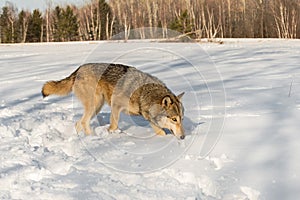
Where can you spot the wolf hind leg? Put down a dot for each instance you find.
(91, 109)
(78, 126)
(92, 101)
(84, 122)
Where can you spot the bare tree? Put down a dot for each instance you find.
(286, 17)
(25, 23)
(100, 19)
(12, 18)
(229, 18)
(124, 15)
(49, 21)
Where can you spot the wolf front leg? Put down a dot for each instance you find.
(114, 117)
(157, 129)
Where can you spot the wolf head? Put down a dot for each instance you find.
(170, 115)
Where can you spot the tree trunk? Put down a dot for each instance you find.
(42, 32)
(25, 29)
(229, 18)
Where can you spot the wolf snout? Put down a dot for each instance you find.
(180, 134)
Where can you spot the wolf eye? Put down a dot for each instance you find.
(174, 119)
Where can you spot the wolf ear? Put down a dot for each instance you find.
(180, 96)
(166, 102)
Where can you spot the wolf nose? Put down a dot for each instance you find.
(182, 137)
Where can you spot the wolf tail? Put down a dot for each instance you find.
(61, 88)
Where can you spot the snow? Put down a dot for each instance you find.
(251, 193)
(242, 112)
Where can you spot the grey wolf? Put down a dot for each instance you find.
(125, 89)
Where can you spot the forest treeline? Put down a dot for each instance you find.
(101, 20)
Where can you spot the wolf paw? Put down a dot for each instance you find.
(78, 127)
(160, 132)
(113, 129)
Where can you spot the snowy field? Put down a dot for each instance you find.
(242, 114)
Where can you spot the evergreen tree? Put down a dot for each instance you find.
(20, 22)
(35, 27)
(22, 25)
(69, 25)
(182, 24)
(65, 24)
(105, 14)
(7, 19)
(57, 18)
(5, 33)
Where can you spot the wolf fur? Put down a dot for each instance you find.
(124, 89)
